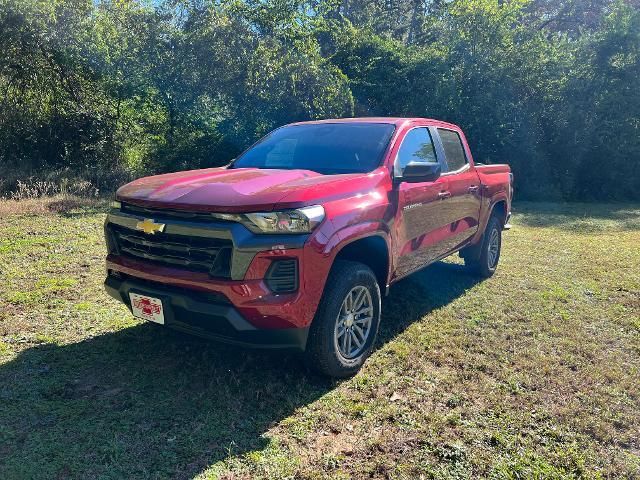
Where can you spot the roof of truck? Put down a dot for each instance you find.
(397, 121)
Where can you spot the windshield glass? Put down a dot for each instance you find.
(327, 148)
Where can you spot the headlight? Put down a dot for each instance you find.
(301, 220)
(115, 205)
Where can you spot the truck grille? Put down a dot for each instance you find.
(197, 254)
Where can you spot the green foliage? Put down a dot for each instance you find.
(117, 88)
(606, 112)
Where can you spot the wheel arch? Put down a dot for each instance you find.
(499, 208)
(371, 250)
(497, 204)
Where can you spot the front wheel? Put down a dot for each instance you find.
(483, 259)
(345, 327)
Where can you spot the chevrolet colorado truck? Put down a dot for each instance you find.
(294, 242)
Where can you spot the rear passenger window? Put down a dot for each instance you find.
(453, 149)
(416, 146)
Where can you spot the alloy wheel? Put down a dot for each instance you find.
(494, 248)
(354, 322)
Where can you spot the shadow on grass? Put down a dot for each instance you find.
(579, 217)
(414, 297)
(148, 402)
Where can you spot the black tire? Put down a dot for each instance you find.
(482, 259)
(324, 352)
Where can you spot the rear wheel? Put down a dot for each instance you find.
(483, 258)
(345, 327)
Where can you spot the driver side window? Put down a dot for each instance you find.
(416, 146)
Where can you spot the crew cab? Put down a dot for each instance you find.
(294, 243)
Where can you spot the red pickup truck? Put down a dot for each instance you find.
(294, 243)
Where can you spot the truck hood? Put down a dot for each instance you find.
(243, 189)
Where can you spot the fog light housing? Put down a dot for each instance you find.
(282, 276)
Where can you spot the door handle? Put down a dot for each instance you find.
(443, 195)
(474, 188)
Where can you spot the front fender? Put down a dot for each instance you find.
(352, 233)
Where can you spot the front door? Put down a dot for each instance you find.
(422, 221)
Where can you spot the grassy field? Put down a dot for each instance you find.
(531, 374)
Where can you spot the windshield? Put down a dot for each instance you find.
(327, 148)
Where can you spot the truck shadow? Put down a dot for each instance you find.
(148, 402)
(412, 298)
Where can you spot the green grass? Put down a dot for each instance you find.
(533, 373)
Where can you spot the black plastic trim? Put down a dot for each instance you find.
(280, 281)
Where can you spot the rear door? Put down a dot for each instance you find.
(463, 206)
(421, 225)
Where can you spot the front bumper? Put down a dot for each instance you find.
(208, 315)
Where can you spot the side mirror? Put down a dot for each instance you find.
(416, 172)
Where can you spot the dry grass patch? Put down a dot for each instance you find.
(59, 204)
